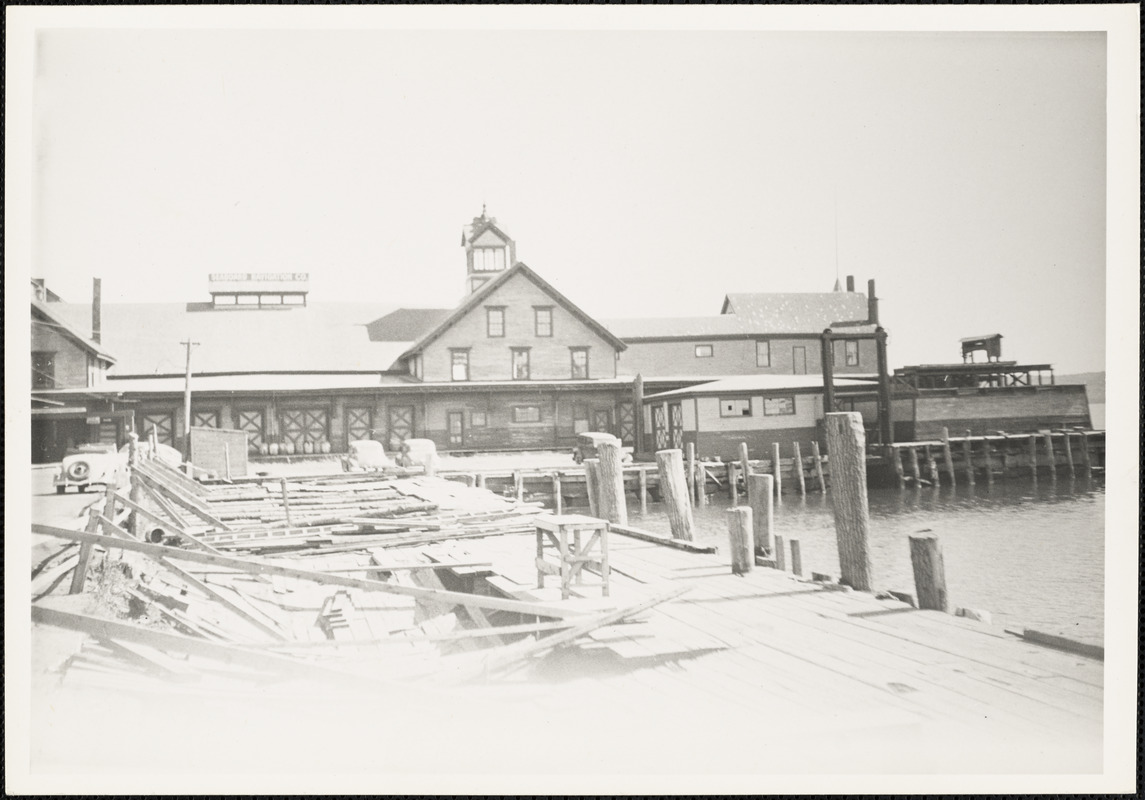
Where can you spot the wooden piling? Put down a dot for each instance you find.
(701, 485)
(818, 466)
(690, 474)
(480, 480)
(912, 462)
(1033, 445)
(643, 490)
(227, 460)
(988, 457)
(558, 495)
(931, 466)
(592, 484)
(760, 500)
(611, 487)
(798, 467)
(136, 493)
(895, 454)
(733, 484)
(780, 554)
(518, 485)
(744, 463)
(929, 573)
(674, 493)
(796, 558)
(285, 503)
(1068, 453)
(1050, 453)
(846, 442)
(79, 576)
(740, 536)
(777, 469)
(948, 457)
(1085, 459)
(968, 456)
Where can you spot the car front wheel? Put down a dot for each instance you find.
(61, 489)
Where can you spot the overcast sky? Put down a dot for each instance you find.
(642, 173)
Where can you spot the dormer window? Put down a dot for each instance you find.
(488, 259)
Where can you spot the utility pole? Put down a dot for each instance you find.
(187, 405)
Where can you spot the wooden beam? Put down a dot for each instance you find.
(164, 525)
(267, 568)
(179, 499)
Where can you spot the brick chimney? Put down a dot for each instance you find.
(872, 303)
(95, 310)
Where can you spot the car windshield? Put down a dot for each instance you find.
(90, 448)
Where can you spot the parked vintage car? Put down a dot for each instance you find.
(418, 453)
(87, 464)
(366, 455)
(589, 441)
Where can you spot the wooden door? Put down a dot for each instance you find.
(455, 421)
(660, 427)
(251, 422)
(799, 360)
(164, 425)
(602, 420)
(303, 425)
(676, 426)
(627, 423)
(359, 424)
(401, 425)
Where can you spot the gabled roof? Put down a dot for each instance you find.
(406, 324)
(478, 297)
(319, 337)
(479, 225)
(67, 327)
(795, 312)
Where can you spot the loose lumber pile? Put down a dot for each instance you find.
(350, 578)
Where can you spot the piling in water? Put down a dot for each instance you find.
(611, 485)
(846, 444)
(740, 535)
(760, 500)
(929, 573)
(674, 493)
(798, 467)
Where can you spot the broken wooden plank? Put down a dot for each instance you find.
(667, 541)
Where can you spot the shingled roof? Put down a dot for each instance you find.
(54, 316)
(406, 324)
(319, 337)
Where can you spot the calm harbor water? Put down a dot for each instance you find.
(1031, 553)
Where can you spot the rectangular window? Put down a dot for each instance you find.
(489, 259)
(477, 419)
(294, 299)
(703, 351)
(852, 353)
(494, 322)
(270, 300)
(763, 354)
(247, 299)
(526, 413)
(520, 363)
(544, 320)
(579, 362)
(224, 299)
(580, 418)
(777, 406)
(736, 407)
(43, 370)
(459, 365)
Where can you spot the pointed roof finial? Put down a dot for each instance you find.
(482, 211)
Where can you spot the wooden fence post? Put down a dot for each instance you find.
(674, 493)
(929, 572)
(612, 503)
(592, 485)
(947, 457)
(796, 558)
(846, 444)
(760, 499)
(740, 534)
(818, 466)
(798, 466)
(777, 469)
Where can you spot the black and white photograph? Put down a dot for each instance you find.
(571, 400)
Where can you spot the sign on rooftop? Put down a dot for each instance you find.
(258, 282)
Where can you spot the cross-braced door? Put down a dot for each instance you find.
(205, 419)
(676, 426)
(164, 425)
(660, 427)
(359, 424)
(251, 422)
(627, 423)
(401, 425)
(302, 425)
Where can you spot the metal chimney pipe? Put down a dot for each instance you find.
(872, 303)
(96, 327)
(850, 283)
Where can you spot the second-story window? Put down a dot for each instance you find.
(494, 322)
(459, 365)
(579, 362)
(520, 363)
(43, 370)
(544, 320)
(703, 351)
(763, 354)
(852, 353)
